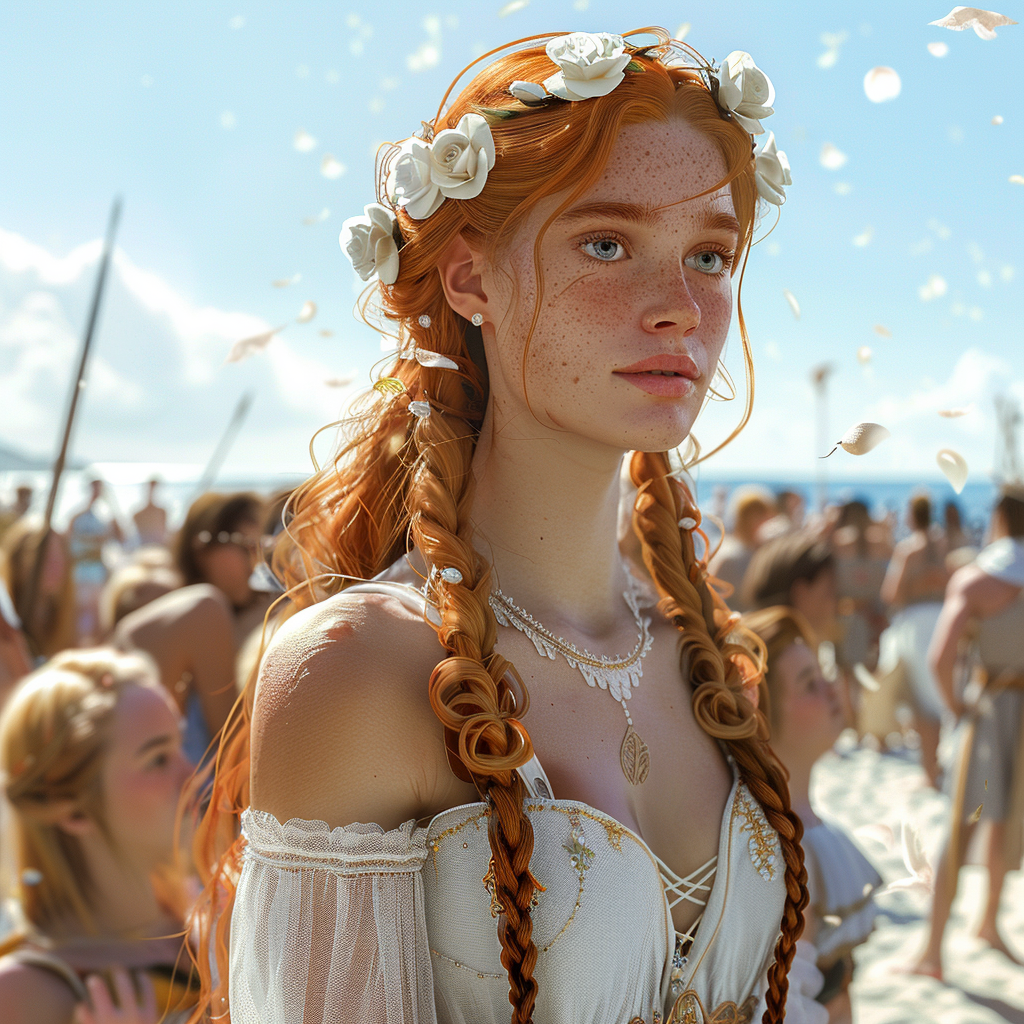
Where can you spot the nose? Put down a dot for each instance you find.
(673, 309)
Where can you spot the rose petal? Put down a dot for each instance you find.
(247, 346)
(954, 468)
(283, 282)
(331, 168)
(864, 237)
(436, 360)
(793, 304)
(938, 49)
(340, 382)
(956, 413)
(303, 141)
(881, 84)
(984, 23)
(882, 331)
(862, 437)
(307, 313)
(512, 7)
(832, 158)
(864, 355)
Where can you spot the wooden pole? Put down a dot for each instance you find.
(224, 446)
(32, 591)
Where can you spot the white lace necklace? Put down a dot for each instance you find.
(618, 675)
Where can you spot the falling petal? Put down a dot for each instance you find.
(864, 355)
(984, 23)
(317, 218)
(793, 304)
(834, 920)
(420, 409)
(331, 168)
(881, 84)
(1017, 179)
(426, 57)
(938, 49)
(831, 157)
(935, 288)
(953, 414)
(325, 333)
(283, 282)
(247, 346)
(918, 885)
(512, 7)
(975, 815)
(913, 850)
(828, 59)
(434, 359)
(303, 141)
(865, 678)
(388, 386)
(683, 31)
(862, 437)
(954, 468)
(882, 331)
(998, 119)
(865, 236)
(340, 382)
(307, 313)
(842, 188)
(228, 120)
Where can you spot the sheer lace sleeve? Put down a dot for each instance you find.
(328, 925)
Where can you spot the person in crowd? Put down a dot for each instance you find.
(134, 585)
(568, 309)
(151, 520)
(220, 543)
(806, 717)
(788, 516)
(89, 532)
(15, 657)
(984, 606)
(92, 770)
(22, 503)
(750, 507)
(51, 626)
(914, 588)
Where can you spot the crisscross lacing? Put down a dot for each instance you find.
(679, 889)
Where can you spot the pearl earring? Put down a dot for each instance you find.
(477, 319)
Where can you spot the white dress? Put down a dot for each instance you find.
(358, 924)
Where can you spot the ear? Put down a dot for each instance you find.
(73, 821)
(459, 268)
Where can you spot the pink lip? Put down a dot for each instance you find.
(666, 387)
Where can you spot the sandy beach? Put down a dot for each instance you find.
(872, 795)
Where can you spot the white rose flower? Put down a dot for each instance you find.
(771, 172)
(591, 64)
(369, 242)
(454, 165)
(745, 90)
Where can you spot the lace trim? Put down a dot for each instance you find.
(357, 849)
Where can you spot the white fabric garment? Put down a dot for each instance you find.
(906, 640)
(358, 924)
(1004, 559)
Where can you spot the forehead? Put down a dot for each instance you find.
(142, 712)
(658, 163)
(796, 658)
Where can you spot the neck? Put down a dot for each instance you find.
(545, 514)
(799, 769)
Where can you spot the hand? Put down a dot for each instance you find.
(129, 1009)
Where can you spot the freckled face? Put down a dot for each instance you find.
(627, 287)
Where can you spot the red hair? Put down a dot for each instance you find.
(404, 481)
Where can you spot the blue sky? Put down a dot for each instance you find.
(190, 112)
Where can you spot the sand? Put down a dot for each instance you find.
(856, 788)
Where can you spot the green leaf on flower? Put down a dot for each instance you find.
(634, 66)
(498, 113)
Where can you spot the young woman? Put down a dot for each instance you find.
(556, 254)
(806, 717)
(92, 768)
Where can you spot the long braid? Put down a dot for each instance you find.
(474, 691)
(710, 659)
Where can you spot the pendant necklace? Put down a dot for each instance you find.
(618, 675)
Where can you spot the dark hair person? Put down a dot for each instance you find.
(555, 253)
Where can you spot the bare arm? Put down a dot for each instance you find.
(33, 995)
(945, 645)
(893, 584)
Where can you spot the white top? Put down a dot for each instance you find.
(358, 924)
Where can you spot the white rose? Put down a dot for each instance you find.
(591, 64)
(369, 242)
(745, 90)
(454, 165)
(771, 172)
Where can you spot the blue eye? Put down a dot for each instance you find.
(608, 250)
(707, 262)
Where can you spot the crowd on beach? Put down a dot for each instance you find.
(123, 647)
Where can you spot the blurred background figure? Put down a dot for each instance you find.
(148, 575)
(151, 520)
(788, 516)
(89, 532)
(51, 626)
(750, 508)
(22, 503)
(15, 658)
(984, 607)
(913, 589)
(806, 718)
(92, 769)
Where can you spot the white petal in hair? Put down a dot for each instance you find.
(420, 409)
(529, 93)
(435, 360)
(771, 172)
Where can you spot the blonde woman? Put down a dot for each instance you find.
(92, 769)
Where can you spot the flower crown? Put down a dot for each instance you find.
(454, 163)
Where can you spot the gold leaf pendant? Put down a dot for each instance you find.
(634, 757)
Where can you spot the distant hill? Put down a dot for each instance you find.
(13, 461)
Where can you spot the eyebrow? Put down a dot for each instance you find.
(647, 215)
(156, 741)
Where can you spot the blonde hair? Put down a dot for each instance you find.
(404, 481)
(54, 734)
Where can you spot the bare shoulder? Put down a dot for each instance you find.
(984, 595)
(200, 606)
(33, 995)
(342, 726)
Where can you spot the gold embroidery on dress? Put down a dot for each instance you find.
(764, 841)
(688, 1009)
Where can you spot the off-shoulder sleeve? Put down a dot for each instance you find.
(328, 925)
